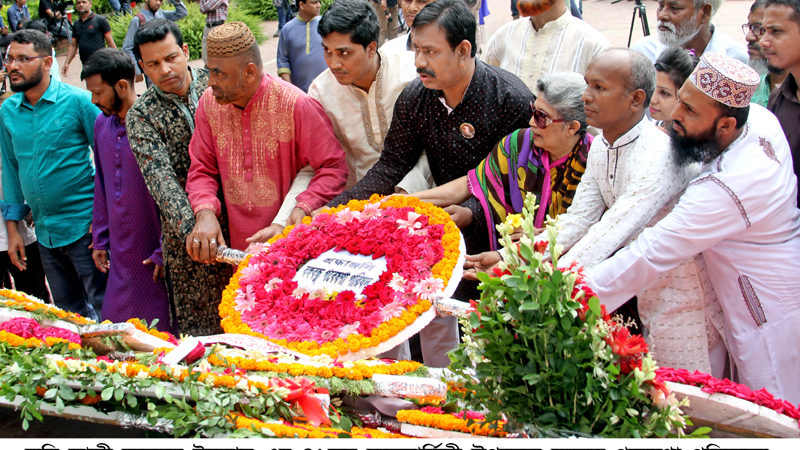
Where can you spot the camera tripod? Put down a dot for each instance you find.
(641, 10)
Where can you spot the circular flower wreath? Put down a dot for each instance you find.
(421, 246)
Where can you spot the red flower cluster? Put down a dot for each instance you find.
(273, 305)
(712, 385)
(30, 328)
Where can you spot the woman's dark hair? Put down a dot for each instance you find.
(354, 17)
(111, 64)
(678, 63)
(454, 17)
(154, 31)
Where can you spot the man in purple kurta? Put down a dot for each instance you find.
(125, 223)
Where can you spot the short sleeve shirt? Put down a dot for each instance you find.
(90, 35)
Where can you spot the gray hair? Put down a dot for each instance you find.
(715, 4)
(643, 76)
(563, 91)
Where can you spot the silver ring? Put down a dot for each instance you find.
(195, 241)
(213, 241)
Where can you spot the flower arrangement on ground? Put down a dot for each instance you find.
(418, 242)
(540, 351)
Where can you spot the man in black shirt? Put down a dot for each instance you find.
(456, 111)
(57, 24)
(89, 34)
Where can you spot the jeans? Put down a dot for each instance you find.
(284, 13)
(120, 6)
(75, 282)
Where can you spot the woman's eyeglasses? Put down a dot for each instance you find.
(541, 119)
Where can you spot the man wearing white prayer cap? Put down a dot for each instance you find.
(740, 213)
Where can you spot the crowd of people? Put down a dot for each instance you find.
(671, 166)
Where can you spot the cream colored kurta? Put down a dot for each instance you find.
(740, 213)
(361, 119)
(626, 187)
(566, 44)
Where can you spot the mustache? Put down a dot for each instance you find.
(667, 25)
(427, 72)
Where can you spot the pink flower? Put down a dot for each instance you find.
(411, 223)
(58, 333)
(371, 211)
(346, 215)
(432, 410)
(429, 288)
(470, 415)
(22, 327)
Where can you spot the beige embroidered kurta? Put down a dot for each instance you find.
(361, 118)
(566, 44)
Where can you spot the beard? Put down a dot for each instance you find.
(775, 70)
(27, 83)
(679, 35)
(116, 107)
(688, 150)
(759, 64)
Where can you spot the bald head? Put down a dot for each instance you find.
(620, 84)
(636, 70)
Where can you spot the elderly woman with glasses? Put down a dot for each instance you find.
(547, 159)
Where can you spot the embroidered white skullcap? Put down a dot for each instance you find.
(726, 80)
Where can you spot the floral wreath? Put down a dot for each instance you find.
(421, 246)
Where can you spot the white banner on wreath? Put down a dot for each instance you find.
(337, 271)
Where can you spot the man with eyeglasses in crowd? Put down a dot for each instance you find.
(771, 76)
(50, 173)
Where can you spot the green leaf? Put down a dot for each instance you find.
(107, 393)
(594, 306)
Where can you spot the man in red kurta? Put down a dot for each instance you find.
(253, 134)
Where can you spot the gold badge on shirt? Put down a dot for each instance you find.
(467, 130)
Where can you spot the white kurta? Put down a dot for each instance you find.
(651, 47)
(566, 44)
(624, 188)
(361, 119)
(740, 213)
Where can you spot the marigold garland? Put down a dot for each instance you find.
(19, 301)
(164, 336)
(301, 430)
(232, 321)
(32, 342)
(449, 422)
(360, 371)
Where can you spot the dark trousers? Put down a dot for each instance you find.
(30, 280)
(75, 282)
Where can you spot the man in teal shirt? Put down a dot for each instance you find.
(46, 130)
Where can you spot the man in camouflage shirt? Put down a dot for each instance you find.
(160, 125)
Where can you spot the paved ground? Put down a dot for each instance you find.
(613, 20)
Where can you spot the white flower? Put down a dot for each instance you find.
(397, 283)
(13, 369)
(299, 292)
